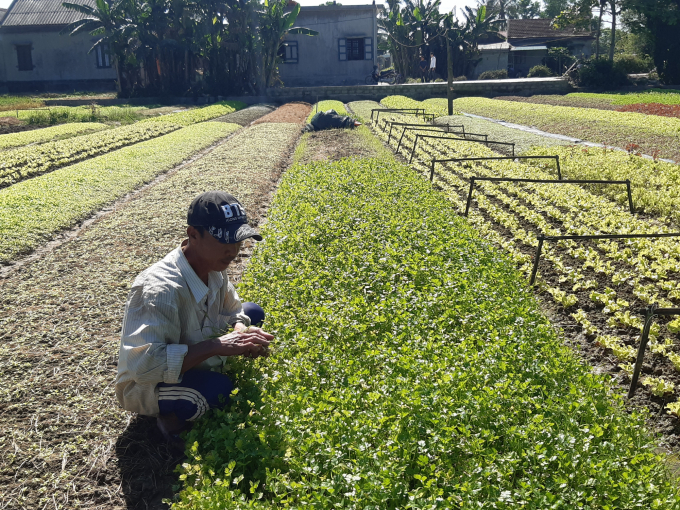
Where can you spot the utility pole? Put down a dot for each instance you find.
(449, 62)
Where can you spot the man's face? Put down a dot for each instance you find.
(215, 255)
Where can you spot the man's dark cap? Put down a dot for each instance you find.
(222, 215)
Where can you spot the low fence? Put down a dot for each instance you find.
(421, 91)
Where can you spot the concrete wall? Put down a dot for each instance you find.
(318, 56)
(421, 91)
(60, 62)
(522, 61)
(491, 61)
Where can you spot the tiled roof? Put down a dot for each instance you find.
(538, 28)
(41, 12)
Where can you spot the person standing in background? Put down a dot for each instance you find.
(433, 66)
(423, 69)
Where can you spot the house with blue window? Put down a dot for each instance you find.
(34, 57)
(343, 53)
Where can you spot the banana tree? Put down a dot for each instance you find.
(408, 28)
(275, 25)
(107, 22)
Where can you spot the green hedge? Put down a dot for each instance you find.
(411, 369)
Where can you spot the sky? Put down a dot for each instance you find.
(447, 5)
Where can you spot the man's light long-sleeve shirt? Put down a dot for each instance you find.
(433, 62)
(169, 308)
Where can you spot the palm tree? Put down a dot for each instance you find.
(106, 20)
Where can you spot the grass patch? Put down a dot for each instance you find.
(32, 211)
(411, 370)
(19, 103)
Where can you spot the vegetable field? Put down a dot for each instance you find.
(421, 376)
(650, 134)
(413, 366)
(596, 286)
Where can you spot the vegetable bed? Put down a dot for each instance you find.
(655, 184)
(32, 211)
(652, 134)
(247, 115)
(21, 163)
(50, 134)
(188, 117)
(65, 114)
(434, 106)
(411, 369)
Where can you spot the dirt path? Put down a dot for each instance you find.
(65, 441)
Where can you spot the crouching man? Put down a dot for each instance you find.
(171, 349)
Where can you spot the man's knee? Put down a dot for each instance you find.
(255, 312)
(199, 391)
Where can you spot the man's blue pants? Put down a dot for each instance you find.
(200, 390)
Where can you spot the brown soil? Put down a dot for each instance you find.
(295, 113)
(14, 125)
(665, 110)
(335, 144)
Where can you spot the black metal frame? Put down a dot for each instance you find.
(465, 135)
(447, 160)
(542, 181)
(541, 238)
(487, 142)
(650, 312)
(398, 110)
(426, 127)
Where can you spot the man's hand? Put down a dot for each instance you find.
(250, 342)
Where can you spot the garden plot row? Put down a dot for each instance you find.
(604, 101)
(653, 135)
(195, 115)
(411, 369)
(65, 114)
(125, 114)
(34, 210)
(50, 134)
(65, 441)
(602, 284)
(24, 162)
